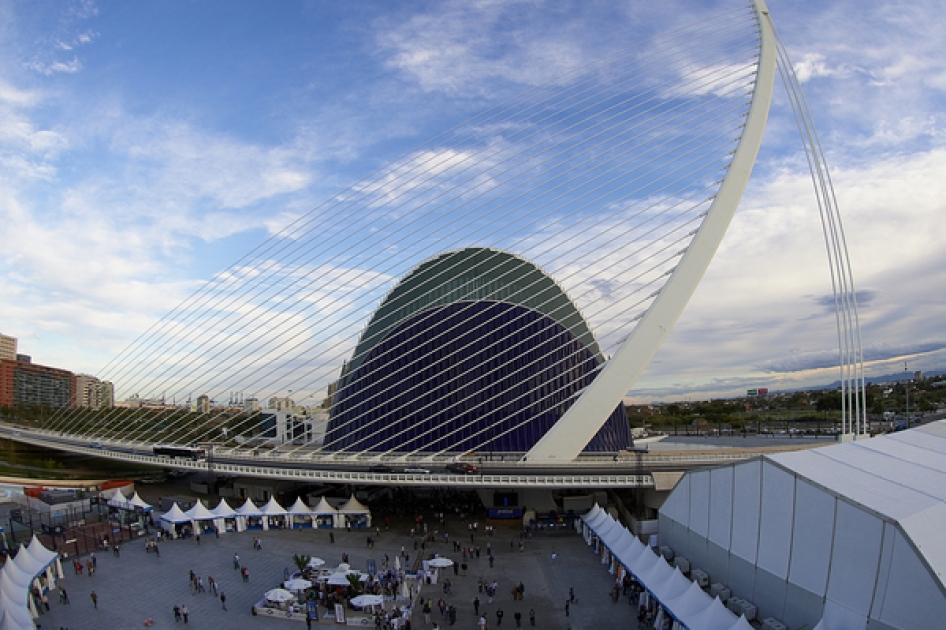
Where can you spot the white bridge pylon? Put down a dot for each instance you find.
(583, 419)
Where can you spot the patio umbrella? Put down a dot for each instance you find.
(315, 562)
(279, 595)
(339, 579)
(367, 600)
(297, 584)
(441, 563)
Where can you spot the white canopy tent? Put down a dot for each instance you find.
(201, 518)
(325, 516)
(226, 517)
(137, 502)
(275, 515)
(118, 500)
(249, 516)
(354, 513)
(300, 515)
(15, 585)
(172, 518)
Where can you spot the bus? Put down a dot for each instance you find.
(186, 452)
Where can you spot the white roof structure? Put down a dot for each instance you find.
(175, 515)
(272, 508)
(323, 507)
(118, 500)
(849, 534)
(200, 513)
(299, 508)
(685, 600)
(137, 501)
(248, 509)
(27, 563)
(223, 510)
(41, 553)
(353, 506)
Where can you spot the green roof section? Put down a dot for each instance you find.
(473, 274)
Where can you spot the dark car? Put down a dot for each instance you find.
(462, 468)
(380, 469)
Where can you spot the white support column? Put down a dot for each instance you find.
(588, 414)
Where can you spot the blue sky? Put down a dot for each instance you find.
(144, 147)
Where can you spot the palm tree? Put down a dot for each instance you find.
(301, 561)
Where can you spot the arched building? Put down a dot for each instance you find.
(474, 350)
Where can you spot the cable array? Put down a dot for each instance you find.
(463, 296)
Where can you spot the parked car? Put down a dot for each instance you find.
(462, 468)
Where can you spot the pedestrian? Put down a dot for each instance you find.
(95, 561)
(184, 612)
(476, 605)
(566, 608)
(554, 555)
(197, 538)
(95, 599)
(213, 585)
(331, 537)
(116, 550)
(236, 561)
(531, 617)
(46, 602)
(177, 613)
(452, 614)
(63, 596)
(427, 612)
(571, 594)
(522, 591)
(518, 618)
(499, 616)
(490, 561)
(157, 552)
(482, 622)
(456, 569)
(223, 600)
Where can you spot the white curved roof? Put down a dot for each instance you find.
(175, 515)
(299, 508)
(223, 509)
(248, 509)
(901, 477)
(324, 507)
(353, 506)
(200, 513)
(272, 508)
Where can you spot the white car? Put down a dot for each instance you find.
(417, 471)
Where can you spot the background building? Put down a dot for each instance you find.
(475, 350)
(94, 393)
(7, 348)
(24, 383)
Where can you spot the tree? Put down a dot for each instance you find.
(301, 561)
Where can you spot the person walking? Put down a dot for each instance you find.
(566, 607)
(95, 599)
(499, 616)
(177, 613)
(518, 618)
(331, 537)
(236, 561)
(63, 595)
(427, 612)
(223, 600)
(476, 605)
(185, 612)
(531, 617)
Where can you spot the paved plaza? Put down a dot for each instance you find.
(139, 585)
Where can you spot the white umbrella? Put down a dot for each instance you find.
(297, 584)
(315, 562)
(279, 595)
(339, 579)
(397, 563)
(367, 600)
(441, 563)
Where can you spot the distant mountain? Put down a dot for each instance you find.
(896, 377)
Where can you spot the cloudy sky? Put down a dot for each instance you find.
(145, 147)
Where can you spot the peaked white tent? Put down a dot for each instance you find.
(201, 518)
(300, 515)
(274, 515)
(17, 614)
(15, 586)
(49, 558)
(174, 517)
(355, 514)
(226, 517)
(249, 516)
(137, 502)
(118, 500)
(325, 516)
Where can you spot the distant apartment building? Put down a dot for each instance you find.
(94, 393)
(24, 383)
(203, 403)
(251, 405)
(282, 404)
(7, 348)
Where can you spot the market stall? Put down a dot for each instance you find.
(250, 516)
(300, 515)
(275, 516)
(176, 523)
(202, 519)
(226, 518)
(324, 516)
(354, 514)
